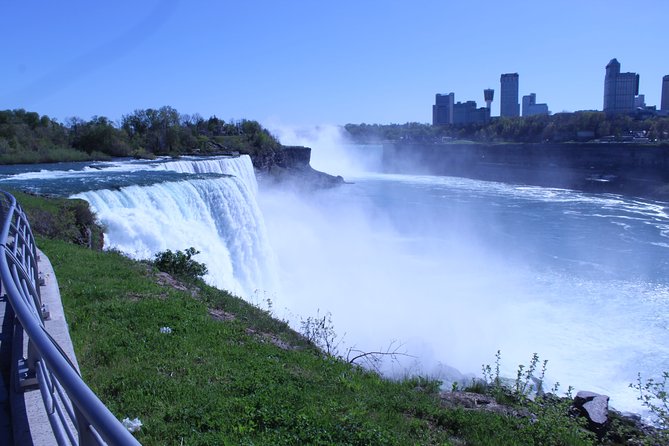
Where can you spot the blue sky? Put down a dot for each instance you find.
(319, 62)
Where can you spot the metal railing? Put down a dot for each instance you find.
(76, 415)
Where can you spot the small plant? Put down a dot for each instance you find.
(320, 331)
(654, 395)
(373, 360)
(550, 423)
(262, 301)
(491, 379)
(525, 384)
(181, 264)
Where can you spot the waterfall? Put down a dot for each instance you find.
(219, 217)
(240, 167)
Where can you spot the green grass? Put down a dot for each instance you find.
(212, 381)
(61, 218)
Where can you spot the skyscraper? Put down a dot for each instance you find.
(442, 110)
(509, 105)
(619, 89)
(665, 93)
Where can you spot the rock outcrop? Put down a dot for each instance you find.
(595, 408)
(289, 166)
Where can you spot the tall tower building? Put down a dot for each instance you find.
(620, 89)
(509, 105)
(488, 95)
(665, 93)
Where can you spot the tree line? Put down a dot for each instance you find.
(27, 137)
(560, 127)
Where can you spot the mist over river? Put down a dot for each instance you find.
(451, 269)
(455, 269)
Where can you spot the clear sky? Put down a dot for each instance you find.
(319, 62)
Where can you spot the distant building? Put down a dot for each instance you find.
(509, 105)
(620, 89)
(468, 113)
(531, 108)
(664, 106)
(442, 110)
(640, 102)
(446, 111)
(488, 95)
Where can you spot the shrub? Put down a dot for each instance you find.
(654, 395)
(181, 264)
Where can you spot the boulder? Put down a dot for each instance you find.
(594, 407)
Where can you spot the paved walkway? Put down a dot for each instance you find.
(6, 327)
(33, 428)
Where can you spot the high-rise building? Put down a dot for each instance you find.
(620, 89)
(509, 105)
(530, 106)
(442, 110)
(664, 106)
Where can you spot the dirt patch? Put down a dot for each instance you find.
(272, 339)
(167, 280)
(475, 401)
(220, 315)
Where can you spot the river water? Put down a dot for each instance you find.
(455, 269)
(446, 270)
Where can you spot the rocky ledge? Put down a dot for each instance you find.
(289, 166)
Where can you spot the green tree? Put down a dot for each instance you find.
(99, 134)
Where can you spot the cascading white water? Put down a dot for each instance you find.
(240, 166)
(219, 217)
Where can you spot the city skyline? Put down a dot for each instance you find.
(621, 96)
(304, 64)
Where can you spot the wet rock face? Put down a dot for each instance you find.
(293, 157)
(287, 157)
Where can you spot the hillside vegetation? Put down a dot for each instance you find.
(27, 137)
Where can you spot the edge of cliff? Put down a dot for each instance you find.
(290, 166)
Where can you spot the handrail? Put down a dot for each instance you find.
(76, 414)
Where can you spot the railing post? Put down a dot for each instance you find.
(86, 437)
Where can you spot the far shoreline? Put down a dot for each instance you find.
(617, 168)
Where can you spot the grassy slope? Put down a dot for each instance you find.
(224, 382)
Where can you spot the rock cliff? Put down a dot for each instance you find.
(615, 167)
(289, 165)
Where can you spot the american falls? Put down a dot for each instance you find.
(218, 216)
